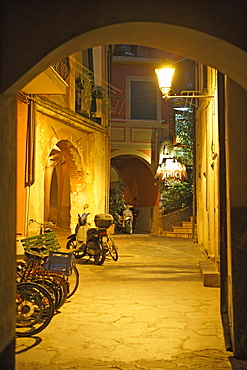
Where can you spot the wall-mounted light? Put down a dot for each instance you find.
(165, 76)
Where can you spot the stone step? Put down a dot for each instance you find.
(184, 231)
(171, 234)
(181, 230)
(209, 273)
(187, 224)
(191, 219)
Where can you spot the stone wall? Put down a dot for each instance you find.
(175, 218)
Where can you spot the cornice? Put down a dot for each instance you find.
(68, 117)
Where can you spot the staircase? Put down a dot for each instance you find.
(184, 231)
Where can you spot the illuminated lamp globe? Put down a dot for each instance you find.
(165, 76)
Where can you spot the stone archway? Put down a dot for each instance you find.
(57, 190)
(137, 176)
(199, 33)
(71, 183)
(73, 162)
(53, 204)
(63, 181)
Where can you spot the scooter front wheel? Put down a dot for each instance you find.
(71, 244)
(128, 227)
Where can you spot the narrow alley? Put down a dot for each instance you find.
(148, 310)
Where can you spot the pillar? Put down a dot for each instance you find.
(236, 142)
(8, 230)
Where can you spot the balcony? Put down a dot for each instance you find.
(47, 82)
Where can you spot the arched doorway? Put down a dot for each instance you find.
(57, 190)
(137, 177)
(63, 178)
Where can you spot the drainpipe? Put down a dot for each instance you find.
(108, 137)
(30, 154)
(194, 157)
(223, 216)
(30, 145)
(93, 108)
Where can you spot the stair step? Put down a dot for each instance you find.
(171, 234)
(187, 224)
(210, 274)
(184, 231)
(179, 229)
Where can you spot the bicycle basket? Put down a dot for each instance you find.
(60, 262)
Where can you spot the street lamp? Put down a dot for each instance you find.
(165, 76)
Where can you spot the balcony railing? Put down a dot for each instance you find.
(62, 67)
(92, 93)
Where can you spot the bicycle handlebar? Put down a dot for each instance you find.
(39, 223)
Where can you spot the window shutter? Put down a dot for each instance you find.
(143, 100)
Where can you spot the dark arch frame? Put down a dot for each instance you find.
(51, 30)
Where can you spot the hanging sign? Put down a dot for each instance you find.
(171, 170)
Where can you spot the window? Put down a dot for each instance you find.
(143, 100)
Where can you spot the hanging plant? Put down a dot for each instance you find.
(87, 93)
(101, 93)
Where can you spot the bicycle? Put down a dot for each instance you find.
(103, 222)
(39, 294)
(108, 244)
(31, 270)
(43, 227)
(47, 242)
(34, 309)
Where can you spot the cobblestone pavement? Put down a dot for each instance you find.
(147, 311)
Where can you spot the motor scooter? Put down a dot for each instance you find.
(125, 219)
(135, 213)
(85, 242)
(128, 217)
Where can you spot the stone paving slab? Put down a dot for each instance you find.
(149, 310)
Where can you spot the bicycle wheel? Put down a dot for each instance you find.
(59, 281)
(112, 250)
(51, 287)
(73, 281)
(34, 309)
(100, 253)
(63, 286)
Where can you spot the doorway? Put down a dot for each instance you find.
(138, 182)
(57, 191)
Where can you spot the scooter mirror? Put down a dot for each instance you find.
(86, 206)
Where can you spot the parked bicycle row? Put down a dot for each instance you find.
(44, 283)
(47, 277)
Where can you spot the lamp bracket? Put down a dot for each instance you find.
(189, 94)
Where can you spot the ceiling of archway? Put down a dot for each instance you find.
(201, 33)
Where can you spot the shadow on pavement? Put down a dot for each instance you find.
(19, 340)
